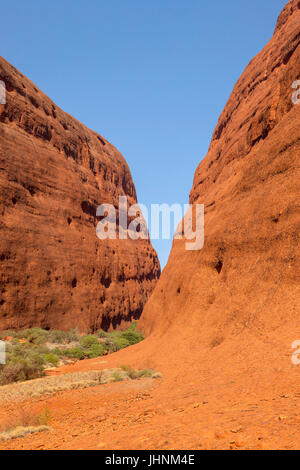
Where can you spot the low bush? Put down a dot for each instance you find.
(133, 337)
(118, 343)
(35, 335)
(45, 417)
(117, 377)
(88, 340)
(19, 371)
(51, 358)
(28, 359)
(61, 337)
(74, 353)
(101, 334)
(96, 350)
(24, 422)
(57, 336)
(58, 352)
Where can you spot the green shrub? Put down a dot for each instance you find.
(96, 350)
(57, 336)
(45, 417)
(73, 335)
(28, 360)
(58, 352)
(35, 335)
(60, 337)
(117, 377)
(144, 373)
(19, 371)
(12, 373)
(51, 358)
(88, 340)
(119, 343)
(138, 374)
(101, 334)
(133, 326)
(133, 337)
(34, 358)
(74, 353)
(131, 373)
(37, 348)
(15, 350)
(20, 352)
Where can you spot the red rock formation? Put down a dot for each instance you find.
(54, 172)
(246, 278)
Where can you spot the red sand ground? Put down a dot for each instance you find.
(214, 402)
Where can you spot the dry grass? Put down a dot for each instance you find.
(21, 431)
(49, 385)
(25, 417)
(24, 421)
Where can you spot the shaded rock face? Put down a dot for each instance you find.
(246, 278)
(54, 172)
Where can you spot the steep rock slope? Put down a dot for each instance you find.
(245, 281)
(54, 172)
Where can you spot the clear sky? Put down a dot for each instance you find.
(152, 76)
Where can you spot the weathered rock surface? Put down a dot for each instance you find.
(54, 172)
(246, 278)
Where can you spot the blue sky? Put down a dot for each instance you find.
(151, 76)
